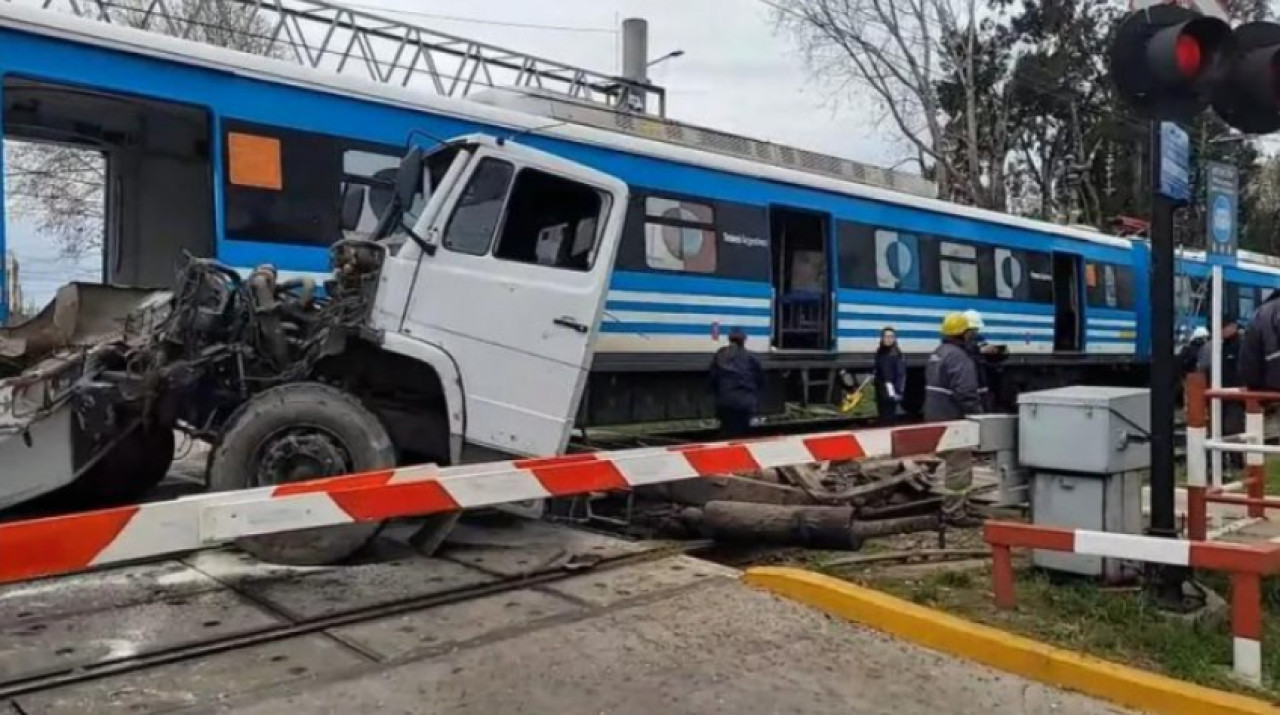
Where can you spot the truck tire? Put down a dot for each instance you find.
(295, 433)
(125, 474)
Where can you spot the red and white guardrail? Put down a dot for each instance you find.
(64, 544)
(1252, 443)
(1247, 564)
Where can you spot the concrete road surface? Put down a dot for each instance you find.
(707, 646)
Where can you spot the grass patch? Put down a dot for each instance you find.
(1118, 624)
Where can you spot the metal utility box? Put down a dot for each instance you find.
(1097, 502)
(1096, 430)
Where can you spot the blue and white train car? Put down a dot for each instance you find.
(214, 152)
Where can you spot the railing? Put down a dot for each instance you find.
(321, 35)
(1247, 564)
(1251, 444)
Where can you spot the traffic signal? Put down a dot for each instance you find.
(1248, 97)
(1166, 60)
(1169, 62)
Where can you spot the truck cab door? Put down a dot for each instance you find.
(512, 286)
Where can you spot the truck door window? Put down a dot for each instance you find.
(551, 221)
(478, 211)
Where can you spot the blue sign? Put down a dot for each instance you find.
(1175, 163)
(1222, 201)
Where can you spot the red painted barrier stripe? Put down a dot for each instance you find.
(376, 503)
(572, 478)
(722, 460)
(30, 549)
(913, 441)
(835, 448)
(1029, 536)
(333, 484)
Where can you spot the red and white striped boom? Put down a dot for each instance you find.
(63, 544)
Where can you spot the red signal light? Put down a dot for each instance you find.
(1188, 56)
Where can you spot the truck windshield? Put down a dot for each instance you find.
(437, 164)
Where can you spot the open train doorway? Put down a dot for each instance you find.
(1066, 303)
(801, 249)
(117, 182)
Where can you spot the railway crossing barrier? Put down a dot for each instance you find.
(1247, 564)
(1251, 443)
(65, 544)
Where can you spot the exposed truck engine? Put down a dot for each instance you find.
(106, 375)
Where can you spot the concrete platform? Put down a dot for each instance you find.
(671, 635)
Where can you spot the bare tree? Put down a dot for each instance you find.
(61, 187)
(936, 69)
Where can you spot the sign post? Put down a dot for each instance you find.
(1222, 209)
(1222, 203)
(1171, 174)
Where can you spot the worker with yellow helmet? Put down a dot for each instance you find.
(953, 392)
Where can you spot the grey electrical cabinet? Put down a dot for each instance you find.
(1095, 502)
(1093, 430)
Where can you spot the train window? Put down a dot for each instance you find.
(679, 235)
(958, 268)
(283, 185)
(1012, 282)
(479, 209)
(1124, 288)
(1095, 283)
(857, 260)
(551, 221)
(1039, 277)
(376, 172)
(897, 260)
(1247, 303)
(1182, 294)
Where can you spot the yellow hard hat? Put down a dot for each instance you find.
(954, 325)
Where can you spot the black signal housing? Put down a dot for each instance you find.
(1168, 61)
(1248, 96)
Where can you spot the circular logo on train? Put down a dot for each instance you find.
(899, 260)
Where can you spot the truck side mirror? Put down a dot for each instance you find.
(353, 196)
(409, 177)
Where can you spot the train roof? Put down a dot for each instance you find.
(142, 42)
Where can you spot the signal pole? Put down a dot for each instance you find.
(1163, 371)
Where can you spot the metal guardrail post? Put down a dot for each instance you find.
(1197, 458)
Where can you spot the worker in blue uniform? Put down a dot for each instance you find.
(737, 379)
(953, 392)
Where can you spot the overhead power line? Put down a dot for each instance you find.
(480, 21)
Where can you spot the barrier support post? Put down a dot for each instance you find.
(1002, 579)
(1197, 458)
(1255, 462)
(1246, 625)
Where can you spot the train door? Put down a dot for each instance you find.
(1067, 303)
(802, 306)
(129, 179)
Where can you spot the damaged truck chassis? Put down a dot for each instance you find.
(289, 381)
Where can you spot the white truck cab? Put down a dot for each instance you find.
(499, 283)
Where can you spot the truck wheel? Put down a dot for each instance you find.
(125, 474)
(295, 433)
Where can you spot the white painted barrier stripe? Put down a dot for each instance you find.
(1247, 658)
(1130, 546)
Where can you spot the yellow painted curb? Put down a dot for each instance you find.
(1014, 654)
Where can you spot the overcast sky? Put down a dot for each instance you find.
(735, 75)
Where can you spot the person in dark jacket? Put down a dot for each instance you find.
(1232, 411)
(952, 383)
(1189, 356)
(952, 392)
(737, 379)
(1260, 351)
(891, 376)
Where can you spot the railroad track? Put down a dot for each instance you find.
(561, 567)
